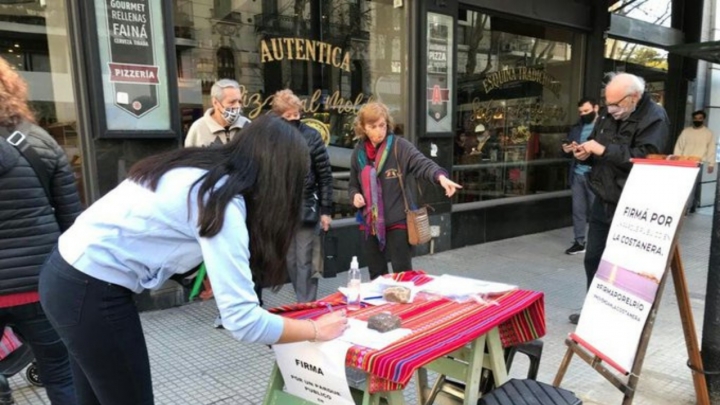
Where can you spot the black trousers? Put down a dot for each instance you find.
(598, 231)
(397, 249)
(100, 326)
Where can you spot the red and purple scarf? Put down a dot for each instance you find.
(372, 159)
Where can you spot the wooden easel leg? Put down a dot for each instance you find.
(563, 366)
(688, 323)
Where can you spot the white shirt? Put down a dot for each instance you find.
(698, 142)
(138, 238)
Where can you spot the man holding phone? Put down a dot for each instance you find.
(582, 196)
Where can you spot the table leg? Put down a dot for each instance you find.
(474, 372)
(497, 357)
(421, 382)
(276, 383)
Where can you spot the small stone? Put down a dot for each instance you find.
(384, 322)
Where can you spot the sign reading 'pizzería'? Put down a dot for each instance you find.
(277, 49)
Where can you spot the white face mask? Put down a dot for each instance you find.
(231, 114)
(620, 113)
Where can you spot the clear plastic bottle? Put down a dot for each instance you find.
(353, 286)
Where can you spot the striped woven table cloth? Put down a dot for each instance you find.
(439, 327)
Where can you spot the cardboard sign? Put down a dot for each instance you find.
(315, 372)
(639, 247)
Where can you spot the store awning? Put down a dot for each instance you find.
(708, 51)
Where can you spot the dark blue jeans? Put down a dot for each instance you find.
(30, 323)
(598, 231)
(100, 325)
(582, 201)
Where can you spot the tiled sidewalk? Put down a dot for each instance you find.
(193, 363)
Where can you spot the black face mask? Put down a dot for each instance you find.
(588, 118)
(697, 124)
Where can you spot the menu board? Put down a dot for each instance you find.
(132, 59)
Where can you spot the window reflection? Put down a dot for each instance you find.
(333, 54)
(653, 11)
(517, 88)
(34, 39)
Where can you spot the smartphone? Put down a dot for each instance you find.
(566, 141)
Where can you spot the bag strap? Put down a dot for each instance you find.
(400, 176)
(402, 185)
(18, 139)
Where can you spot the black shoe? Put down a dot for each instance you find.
(574, 318)
(575, 249)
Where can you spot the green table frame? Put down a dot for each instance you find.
(465, 364)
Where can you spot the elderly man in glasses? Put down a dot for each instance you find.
(630, 126)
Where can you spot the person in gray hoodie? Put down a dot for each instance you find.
(374, 187)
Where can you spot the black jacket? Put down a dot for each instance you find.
(646, 131)
(30, 224)
(318, 195)
(411, 162)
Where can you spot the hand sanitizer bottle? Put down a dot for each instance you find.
(353, 287)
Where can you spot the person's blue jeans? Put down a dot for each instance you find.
(582, 201)
(30, 323)
(100, 325)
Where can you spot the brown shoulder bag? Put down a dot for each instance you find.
(418, 221)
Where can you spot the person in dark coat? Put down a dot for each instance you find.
(374, 188)
(317, 204)
(582, 196)
(31, 221)
(630, 126)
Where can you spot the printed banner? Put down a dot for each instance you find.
(638, 251)
(132, 57)
(315, 372)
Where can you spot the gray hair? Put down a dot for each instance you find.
(633, 84)
(217, 89)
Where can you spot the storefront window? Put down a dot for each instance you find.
(649, 63)
(334, 54)
(652, 11)
(518, 87)
(34, 39)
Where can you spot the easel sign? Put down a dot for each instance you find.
(620, 306)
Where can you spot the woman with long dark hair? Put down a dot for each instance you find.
(236, 207)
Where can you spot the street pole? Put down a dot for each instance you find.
(711, 320)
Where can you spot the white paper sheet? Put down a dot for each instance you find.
(315, 371)
(359, 334)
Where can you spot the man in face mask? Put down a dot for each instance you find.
(630, 126)
(217, 127)
(582, 196)
(221, 122)
(697, 141)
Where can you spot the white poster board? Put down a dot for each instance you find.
(639, 247)
(315, 372)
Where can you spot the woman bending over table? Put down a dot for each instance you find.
(236, 206)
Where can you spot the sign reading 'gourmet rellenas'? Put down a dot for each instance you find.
(133, 70)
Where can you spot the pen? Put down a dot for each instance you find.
(377, 297)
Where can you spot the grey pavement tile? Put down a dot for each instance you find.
(193, 363)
